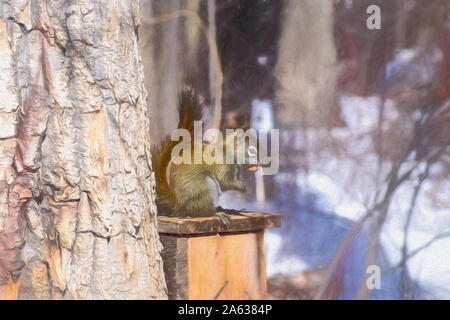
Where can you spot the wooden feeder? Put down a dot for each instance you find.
(205, 260)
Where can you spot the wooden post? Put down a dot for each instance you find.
(205, 260)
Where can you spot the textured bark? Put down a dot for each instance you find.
(77, 216)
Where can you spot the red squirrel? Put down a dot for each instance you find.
(189, 189)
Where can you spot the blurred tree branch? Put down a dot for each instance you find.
(214, 52)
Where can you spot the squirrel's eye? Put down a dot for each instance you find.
(251, 151)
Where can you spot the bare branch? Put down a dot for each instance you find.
(213, 49)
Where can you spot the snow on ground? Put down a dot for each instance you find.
(288, 265)
(333, 179)
(342, 184)
(335, 199)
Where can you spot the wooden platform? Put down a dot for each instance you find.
(203, 259)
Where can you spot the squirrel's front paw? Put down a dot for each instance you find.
(240, 186)
(224, 219)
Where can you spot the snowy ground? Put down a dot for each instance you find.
(343, 187)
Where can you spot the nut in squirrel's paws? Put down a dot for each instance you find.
(224, 219)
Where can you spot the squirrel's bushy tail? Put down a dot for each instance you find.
(189, 110)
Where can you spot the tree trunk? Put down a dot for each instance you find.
(307, 66)
(160, 47)
(77, 212)
(171, 49)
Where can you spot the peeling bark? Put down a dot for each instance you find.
(77, 212)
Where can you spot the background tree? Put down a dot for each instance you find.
(306, 68)
(178, 38)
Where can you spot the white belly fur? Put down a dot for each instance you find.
(214, 189)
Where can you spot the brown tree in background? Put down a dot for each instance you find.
(307, 66)
(177, 39)
(77, 216)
